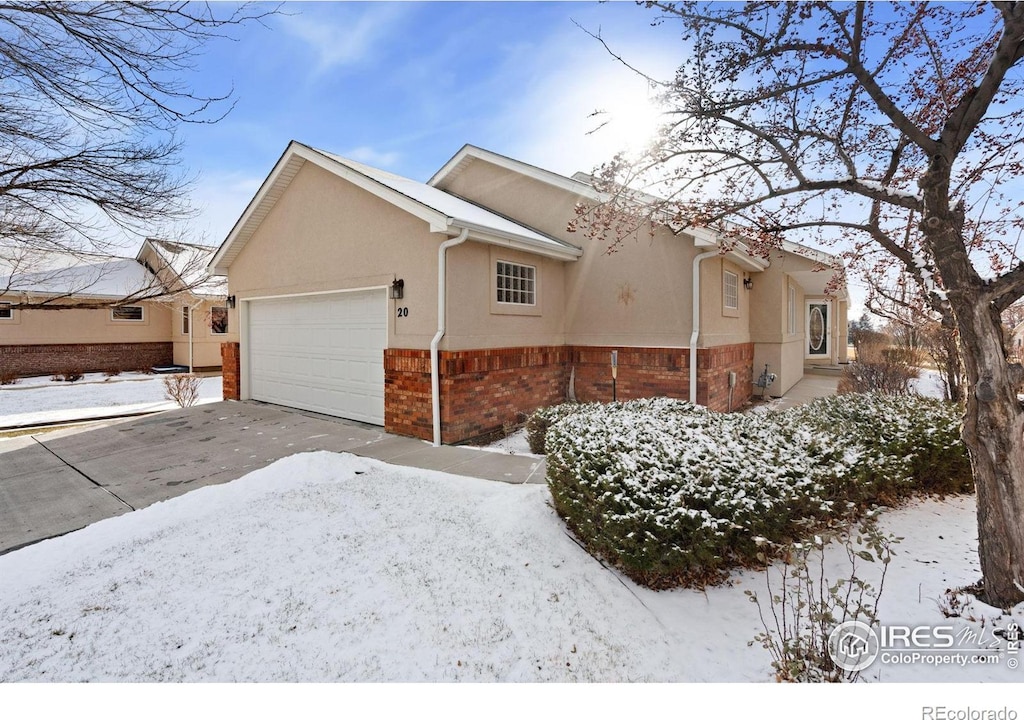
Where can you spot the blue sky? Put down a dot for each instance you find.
(403, 85)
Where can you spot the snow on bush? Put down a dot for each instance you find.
(675, 494)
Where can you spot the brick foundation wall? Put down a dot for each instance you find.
(643, 372)
(27, 360)
(407, 399)
(231, 369)
(713, 367)
(481, 390)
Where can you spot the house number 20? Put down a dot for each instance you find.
(403, 312)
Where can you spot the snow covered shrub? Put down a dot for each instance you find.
(892, 445)
(673, 493)
(540, 420)
(8, 377)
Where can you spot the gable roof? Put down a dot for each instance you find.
(444, 213)
(580, 184)
(465, 156)
(187, 261)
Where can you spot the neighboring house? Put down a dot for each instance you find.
(202, 319)
(138, 324)
(446, 309)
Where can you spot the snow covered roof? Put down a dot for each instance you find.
(445, 213)
(56, 274)
(188, 261)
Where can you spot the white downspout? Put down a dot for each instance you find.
(435, 377)
(696, 321)
(191, 335)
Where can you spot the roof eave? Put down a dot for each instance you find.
(495, 237)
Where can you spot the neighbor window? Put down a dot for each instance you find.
(517, 284)
(131, 313)
(791, 309)
(185, 319)
(6, 313)
(730, 290)
(219, 320)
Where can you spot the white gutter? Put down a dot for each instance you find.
(696, 320)
(435, 377)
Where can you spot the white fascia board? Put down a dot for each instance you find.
(493, 237)
(545, 176)
(702, 237)
(438, 221)
(215, 267)
(218, 266)
(746, 261)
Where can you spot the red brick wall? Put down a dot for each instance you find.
(643, 372)
(481, 390)
(407, 408)
(713, 367)
(93, 357)
(231, 370)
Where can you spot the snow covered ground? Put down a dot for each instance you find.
(42, 400)
(328, 567)
(514, 444)
(929, 384)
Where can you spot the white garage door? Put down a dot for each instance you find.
(323, 353)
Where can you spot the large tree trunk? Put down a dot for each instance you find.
(994, 435)
(994, 423)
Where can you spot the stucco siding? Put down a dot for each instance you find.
(475, 319)
(325, 234)
(78, 326)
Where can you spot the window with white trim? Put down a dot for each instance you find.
(127, 313)
(186, 311)
(6, 311)
(730, 290)
(791, 310)
(219, 320)
(517, 284)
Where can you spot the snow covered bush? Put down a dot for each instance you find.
(538, 423)
(893, 445)
(674, 494)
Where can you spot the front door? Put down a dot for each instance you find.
(818, 334)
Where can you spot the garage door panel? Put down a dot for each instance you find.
(321, 353)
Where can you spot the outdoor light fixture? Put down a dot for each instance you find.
(748, 283)
(231, 301)
(398, 289)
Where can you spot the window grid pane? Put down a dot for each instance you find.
(5, 311)
(731, 294)
(127, 312)
(517, 284)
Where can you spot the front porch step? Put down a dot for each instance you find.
(827, 370)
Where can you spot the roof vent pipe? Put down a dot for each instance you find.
(442, 294)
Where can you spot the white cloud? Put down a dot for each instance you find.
(345, 39)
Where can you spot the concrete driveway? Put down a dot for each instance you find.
(54, 483)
